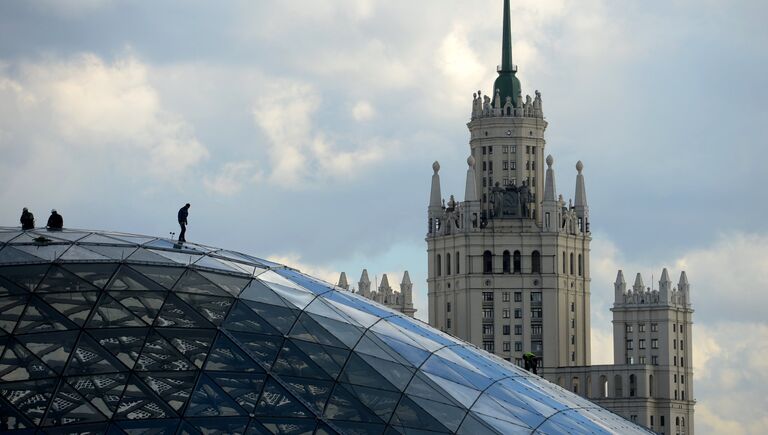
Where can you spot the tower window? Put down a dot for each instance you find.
(564, 268)
(535, 262)
(447, 307)
(484, 150)
(439, 265)
(516, 262)
(487, 262)
(457, 263)
(513, 166)
(571, 263)
(490, 150)
(447, 264)
(506, 262)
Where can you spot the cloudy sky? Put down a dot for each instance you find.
(305, 131)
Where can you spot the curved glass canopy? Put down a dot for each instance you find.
(104, 332)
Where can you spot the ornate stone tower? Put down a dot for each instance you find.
(509, 266)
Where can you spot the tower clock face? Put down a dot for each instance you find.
(509, 132)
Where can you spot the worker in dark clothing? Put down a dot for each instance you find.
(529, 358)
(183, 214)
(27, 219)
(56, 221)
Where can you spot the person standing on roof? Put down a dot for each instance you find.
(183, 214)
(530, 362)
(56, 221)
(27, 220)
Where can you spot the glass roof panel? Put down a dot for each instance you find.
(180, 257)
(7, 236)
(48, 252)
(291, 292)
(11, 255)
(78, 253)
(142, 255)
(208, 400)
(69, 235)
(212, 263)
(102, 239)
(165, 276)
(118, 253)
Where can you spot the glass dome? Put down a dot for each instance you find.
(104, 332)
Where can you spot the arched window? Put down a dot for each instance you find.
(581, 266)
(564, 269)
(535, 262)
(448, 264)
(516, 262)
(632, 385)
(603, 386)
(677, 421)
(457, 263)
(506, 266)
(439, 265)
(571, 263)
(487, 262)
(618, 388)
(589, 386)
(682, 421)
(650, 385)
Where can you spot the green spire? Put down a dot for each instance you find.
(507, 83)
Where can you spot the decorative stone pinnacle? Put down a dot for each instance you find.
(579, 166)
(550, 161)
(471, 161)
(436, 167)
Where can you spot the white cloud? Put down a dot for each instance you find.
(232, 177)
(64, 116)
(300, 155)
(363, 111)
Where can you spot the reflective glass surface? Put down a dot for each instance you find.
(114, 333)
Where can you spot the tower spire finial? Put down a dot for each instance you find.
(507, 84)
(506, 42)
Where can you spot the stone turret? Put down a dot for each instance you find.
(435, 209)
(343, 281)
(364, 285)
(684, 288)
(549, 205)
(665, 287)
(406, 289)
(620, 288)
(580, 203)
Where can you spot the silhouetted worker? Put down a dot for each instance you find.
(529, 358)
(56, 221)
(183, 213)
(27, 220)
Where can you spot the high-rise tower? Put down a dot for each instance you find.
(509, 266)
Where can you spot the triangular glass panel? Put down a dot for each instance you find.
(44, 251)
(148, 427)
(145, 305)
(9, 288)
(110, 314)
(176, 313)
(11, 419)
(232, 284)
(213, 308)
(193, 282)
(343, 405)
(397, 374)
(69, 235)
(128, 279)
(306, 282)
(371, 344)
(126, 344)
(31, 398)
(139, 402)
(173, 387)
(159, 355)
(473, 425)
(194, 344)
(59, 279)
(75, 305)
(414, 355)
(308, 329)
(7, 236)
(53, 348)
(208, 400)
(227, 356)
(313, 392)
(68, 406)
(119, 253)
(184, 258)
(380, 402)
(410, 415)
(90, 358)
(297, 426)
(11, 308)
(248, 269)
(40, 317)
(244, 388)
(229, 425)
(129, 238)
(212, 263)
(359, 372)
(26, 276)
(242, 318)
(357, 428)
(293, 362)
(77, 253)
(103, 391)
(449, 416)
(255, 428)
(142, 255)
(19, 364)
(295, 294)
(186, 428)
(329, 358)
(463, 394)
(26, 237)
(164, 275)
(10, 255)
(257, 291)
(80, 429)
(277, 401)
(96, 274)
(280, 318)
(103, 240)
(263, 348)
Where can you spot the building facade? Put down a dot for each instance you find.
(509, 269)
(384, 294)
